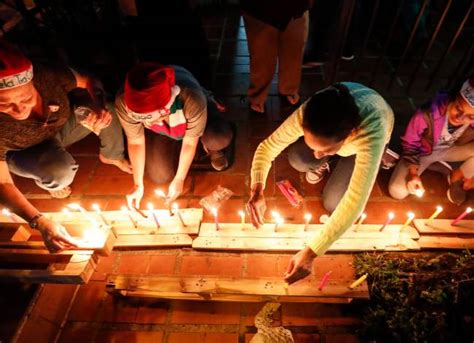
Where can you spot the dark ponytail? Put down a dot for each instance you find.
(332, 113)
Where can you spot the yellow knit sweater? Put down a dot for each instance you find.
(367, 143)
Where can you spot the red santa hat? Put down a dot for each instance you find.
(149, 87)
(467, 91)
(15, 69)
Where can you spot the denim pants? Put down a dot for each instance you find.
(301, 157)
(457, 153)
(51, 166)
(162, 153)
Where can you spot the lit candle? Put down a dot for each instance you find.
(7, 213)
(278, 219)
(216, 219)
(242, 218)
(176, 210)
(307, 220)
(419, 192)
(358, 281)
(126, 211)
(410, 217)
(96, 208)
(324, 280)
(77, 207)
(362, 217)
(66, 212)
(461, 216)
(439, 209)
(159, 193)
(152, 211)
(389, 219)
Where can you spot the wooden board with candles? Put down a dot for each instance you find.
(234, 289)
(446, 242)
(444, 227)
(293, 237)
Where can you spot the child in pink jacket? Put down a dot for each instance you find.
(442, 130)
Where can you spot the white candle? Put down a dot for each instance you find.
(461, 216)
(439, 209)
(176, 210)
(216, 219)
(410, 217)
(278, 219)
(307, 220)
(387, 222)
(151, 209)
(362, 217)
(96, 208)
(242, 218)
(127, 212)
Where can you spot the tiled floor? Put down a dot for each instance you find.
(94, 315)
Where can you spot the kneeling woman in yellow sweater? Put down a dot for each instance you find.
(346, 119)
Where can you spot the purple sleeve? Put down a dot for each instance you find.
(411, 140)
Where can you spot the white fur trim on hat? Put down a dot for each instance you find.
(467, 92)
(17, 80)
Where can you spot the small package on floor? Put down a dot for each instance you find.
(216, 198)
(290, 193)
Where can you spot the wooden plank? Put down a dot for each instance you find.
(37, 256)
(232, 289)
(444, 227)
(296, 244)
(153, 241)
(14, 232)
(79, 270)
(440, 242)
(299, 231)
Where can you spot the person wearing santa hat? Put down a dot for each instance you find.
(440, 131)
(177, 114)
(36, 123)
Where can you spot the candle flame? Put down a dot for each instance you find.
(175, 206)
(6, 212)
(411, 215)
(419, 192)
(363, 216)
(74, 206)
(160, 193)
(214, 211)
(150, 206)
(66, 211)
(308, 216)
(439, 209)
(391, 215)
(241, 213)
(275, 215)
(124, 209)
(468, 210)
(96, 207)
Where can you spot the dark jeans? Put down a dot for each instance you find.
(51, 166)
(301, 158)
(162, 153)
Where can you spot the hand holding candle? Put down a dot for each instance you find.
(461, 216)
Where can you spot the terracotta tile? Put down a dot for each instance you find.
(212, 265)
(50, 205)
(109, 185)
(119, 310)
(152, 312)
(162, 264)
(206, 183)
(315, 314)
(105, 266)
(262, 265)
(340, 265)
(133, 264)
(202, 337)
(27, 186)
(85, 172)
(54, 301)
(120, 336)
(192, 312)
(307, 338)
(76, 333)
(88, 145)
(283, 262)
(88, 302)
(38, 330)
(341, 338)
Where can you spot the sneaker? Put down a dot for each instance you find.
(218, 160)
(313, 177)
(61, 193)
(456, 193)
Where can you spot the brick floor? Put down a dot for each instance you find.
(96, 316)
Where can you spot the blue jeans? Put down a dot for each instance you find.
(301, 157)
(51, 166)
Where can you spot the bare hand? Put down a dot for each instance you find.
(256, 205)
(97, 121)
(300, 265)
(55, 236)
(135, 197)
(174, 190)
(414, 183)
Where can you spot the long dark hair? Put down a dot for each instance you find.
(332, 113)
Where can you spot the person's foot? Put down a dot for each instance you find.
(61, 193)
(218, 160)
(313, 177)
(259, 108)
(456, 193)
(122, 164)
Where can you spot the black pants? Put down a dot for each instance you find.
(162, 153)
